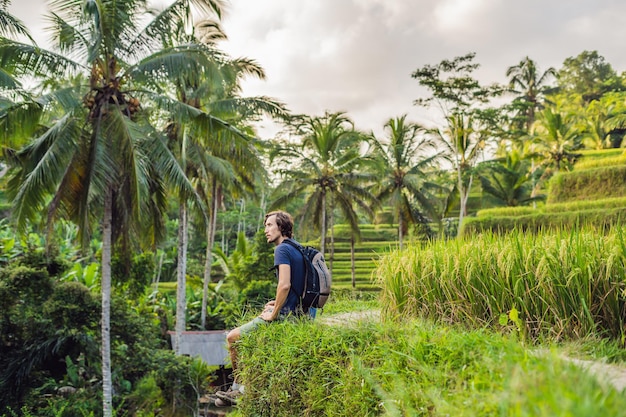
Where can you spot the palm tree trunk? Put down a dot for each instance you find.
(323, 237)
(462, 200)
(352, 261)
(464, 193)
(107, 385)
(241, 223)
(209, 250)
(400, 227)
(181, 290)
(332, 233)
(262, 211)
(157, 277)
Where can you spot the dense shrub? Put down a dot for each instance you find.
(72, 306)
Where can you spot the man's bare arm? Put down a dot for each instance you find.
(284, 285)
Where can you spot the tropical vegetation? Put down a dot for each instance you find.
(132, 193)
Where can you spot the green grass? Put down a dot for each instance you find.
(342, 302)
(412, 368)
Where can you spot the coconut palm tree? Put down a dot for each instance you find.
(509, 180)
(402, 159)
(325, 169)
(557, 138)
(463, 142)
(199, 147)
(103, 157)
(218, 158)
(530, 86)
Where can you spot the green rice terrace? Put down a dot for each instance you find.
(376, 240)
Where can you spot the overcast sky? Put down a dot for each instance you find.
(357, 56)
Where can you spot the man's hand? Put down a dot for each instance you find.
(268, 314)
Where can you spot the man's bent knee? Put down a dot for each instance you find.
(233, 336)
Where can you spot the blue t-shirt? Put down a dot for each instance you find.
(285, 254)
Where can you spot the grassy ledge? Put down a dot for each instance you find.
(410, 369)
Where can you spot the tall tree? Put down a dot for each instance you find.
(530, 86)
(325, 170)
(508, 180)
(464, 141)
(557, 138)
(589, 76)
(461, 99)
(103, 157)
(227, 160)
(402, 160)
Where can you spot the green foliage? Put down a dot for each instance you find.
(257, 293)
(409, 368)
(564, 284)
(223, 308)
(72, 306)
(49, 342)
(88, 275)
(257, 266)
(147, 397)
(132, 275)
(181, 379)
(508, 181)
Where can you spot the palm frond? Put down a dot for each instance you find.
(248, 107)
(186, 63)
(157, 151)
(18, 120)
(12, 26)
(158, 32)
(43, 164)
(70, 39)
(21, 60)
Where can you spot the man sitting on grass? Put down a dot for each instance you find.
(291, 275)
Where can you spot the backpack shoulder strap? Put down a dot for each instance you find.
(293, 243)
(300, 248)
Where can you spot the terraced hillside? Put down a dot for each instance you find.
(376, 239)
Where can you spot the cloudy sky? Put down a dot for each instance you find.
(357, 56)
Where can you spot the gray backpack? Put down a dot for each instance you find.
(317, 280)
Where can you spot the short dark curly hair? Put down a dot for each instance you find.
(284, 221)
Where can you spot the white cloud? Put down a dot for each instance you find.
(454, 15)
(357, 55)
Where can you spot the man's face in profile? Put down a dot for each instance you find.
(272, 232)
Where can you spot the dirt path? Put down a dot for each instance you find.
(351, 317)
(611, 374)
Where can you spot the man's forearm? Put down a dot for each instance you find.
(281, 299)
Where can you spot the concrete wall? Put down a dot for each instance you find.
(210, 345)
